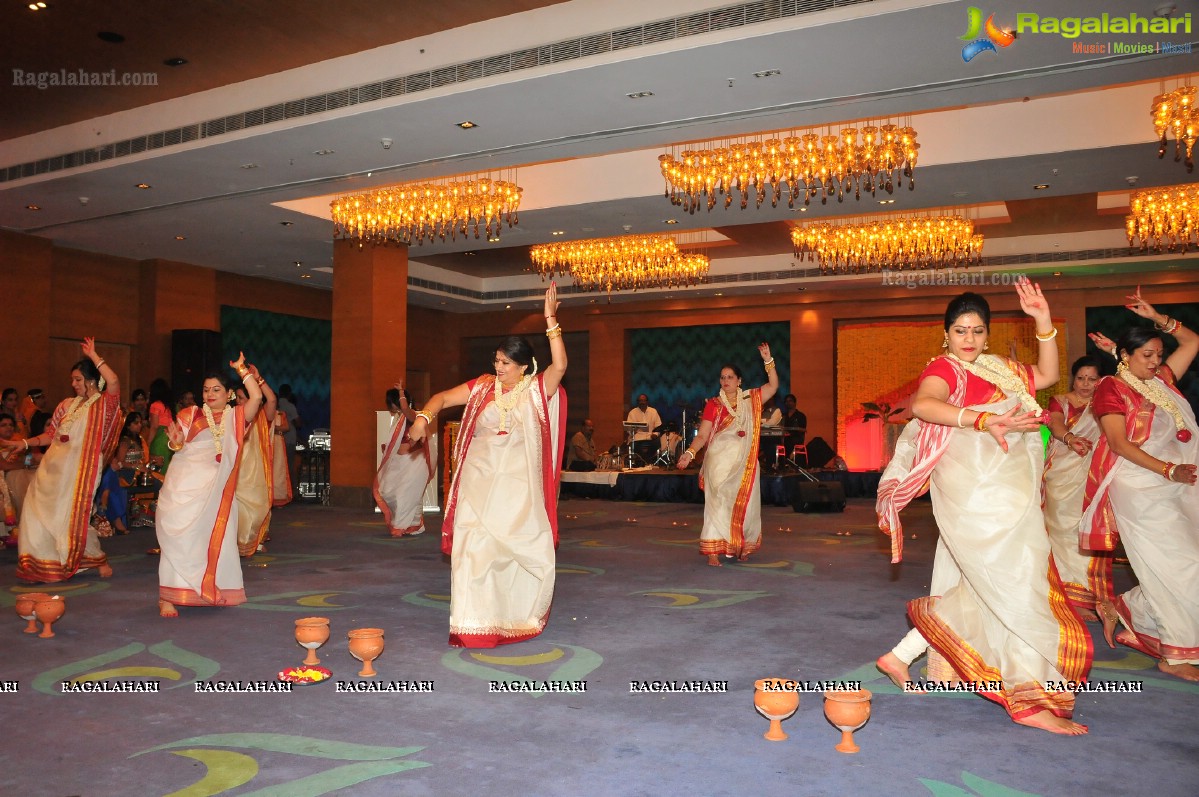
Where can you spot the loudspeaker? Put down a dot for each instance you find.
(819, 497)
(820, 453)
(194, 352)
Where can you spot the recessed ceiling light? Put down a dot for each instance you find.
(718, 293)
(142, 186)
(507, 307)
(180, 237)
(110, 37)
(591, 301)
(305, 276)
(1057, 273)
(639, 95)
(495, 239)
(671, 221)
(768, 73)
(324, 152)
(467, 125)
(1040, 186)
(298, 264)
(471, 254)
(558, 232)
(38, 6)
(176, 61)
(801, 288)
(248, 166)
(886, 201)
(33, 207)
(802, 209)
(286, 223)
(442, 303)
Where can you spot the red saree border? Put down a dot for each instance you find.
(180, 596)
(1147, 643)
(208, 588)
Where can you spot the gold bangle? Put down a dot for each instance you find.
(1048, 336)
(556, 332)
(171, 445)
(100, 363)
(428, 418)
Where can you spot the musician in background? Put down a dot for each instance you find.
(644, 413)
(670, 440)
(581, 455)
(771, 414)
(794, 422)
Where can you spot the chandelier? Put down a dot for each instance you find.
(905, 242)
(1175, 113)
(626, 263)
(414, 212)
(807, 165)
(1164, 218)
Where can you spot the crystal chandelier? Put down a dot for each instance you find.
(906, 242)
(1164, 218)
(807, 165)
(1175, 113)
(626, 263)
(414, 212)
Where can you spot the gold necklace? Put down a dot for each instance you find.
(1158, 394)
(506, 402)
(78, 406)
(217, 429)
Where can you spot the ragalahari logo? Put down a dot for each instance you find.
(980, 38)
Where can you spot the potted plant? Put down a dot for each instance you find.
(890, 429)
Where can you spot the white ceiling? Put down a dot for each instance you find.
(586, 154)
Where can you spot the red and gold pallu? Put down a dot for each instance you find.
(197, 517)
(501, 522)
(56, 539)
(254, 480)
(730, 479)
(1157, 521)
(400, 482)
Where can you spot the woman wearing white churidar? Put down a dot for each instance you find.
(404, 471)
(501, 527)
(55, 538)
(729, 476)
(997, 613)
(1074, 430)
(1141, 490)
(197, 514)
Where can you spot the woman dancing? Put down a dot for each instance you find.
(404, 471)
(998, 612)
(55, 539)
(729, 476)
(197, 513)
(1142, 488)
(501, 519)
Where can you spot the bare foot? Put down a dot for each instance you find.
(1187, 672)
(743, 557)
(890, 666)
(167, 609)
(1048, 721)
(1087, 616)
(714, 560)
(105, 571)
(1109, 617)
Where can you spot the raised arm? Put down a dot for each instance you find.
(1188, 340)
(1033, 303)
(406, 409)
(772, 375)
(254, 402)
(454, 397)
(270, 402)
(112, 383)
(555, 370)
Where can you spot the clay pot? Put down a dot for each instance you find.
(311, 633)
(48, 610)
(775, 702)
(24, 607)
(848, 711)
(365, 645)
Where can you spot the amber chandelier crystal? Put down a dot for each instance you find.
(626, 263)
(1174, 113)
(900, 243)
(1164, 219)
(416, 212)
(806, 164)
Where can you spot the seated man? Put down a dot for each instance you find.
(582, 455)
(795, 426)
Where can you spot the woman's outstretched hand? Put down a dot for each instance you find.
(1014, 420)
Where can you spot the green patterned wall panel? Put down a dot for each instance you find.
(287, 349)
(682, 364)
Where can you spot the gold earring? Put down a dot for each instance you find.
(945, 343)
(986, 345)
